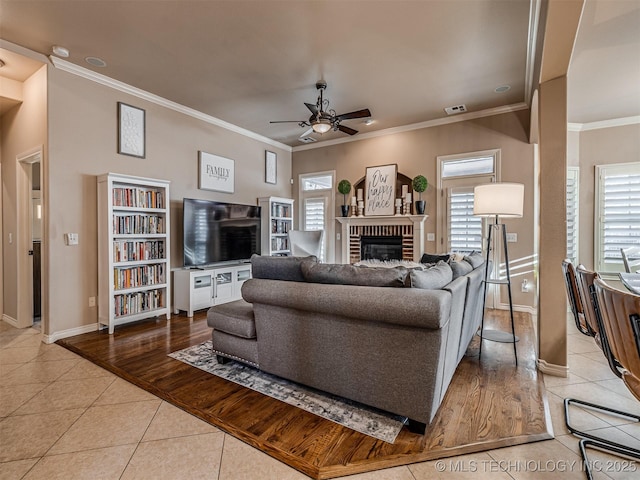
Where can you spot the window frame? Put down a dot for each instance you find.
(461, 180)
(600, 264)
(329, 195)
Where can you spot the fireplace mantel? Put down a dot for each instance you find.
(416, 221)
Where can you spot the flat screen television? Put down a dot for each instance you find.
(219, 232)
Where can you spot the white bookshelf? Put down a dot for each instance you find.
(133, 249)
(277, 221)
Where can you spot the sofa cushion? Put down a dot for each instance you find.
(235, 318)
(434, 258)
(351, 275)
(460, 268)
(279, 268)
(476, 259)
(432, 278)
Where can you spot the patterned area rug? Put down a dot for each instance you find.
(381, 425)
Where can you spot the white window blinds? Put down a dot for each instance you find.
(314, 213)
(573, 202)
(315, 217)
(464, 229)
(617, 213)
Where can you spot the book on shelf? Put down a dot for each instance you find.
(280, 210)
(135, 251)
(138, 224)
(137, 197)
(140, 276)
(132, 303)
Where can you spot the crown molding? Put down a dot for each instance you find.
(163, 102)
(614, 122)
(462, 117)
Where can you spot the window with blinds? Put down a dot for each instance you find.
(464, 229)
(573, 201)
(617, 206)
(315, 217)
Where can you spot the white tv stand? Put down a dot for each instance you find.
(198, 288)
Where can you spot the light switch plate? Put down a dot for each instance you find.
(431, 237)
(71, 238)
(512, 237)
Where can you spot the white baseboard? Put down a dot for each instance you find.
(54, 337)
(518, 308)
(10, 320)
(552, 369)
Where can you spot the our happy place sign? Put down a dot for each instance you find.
(380, 190)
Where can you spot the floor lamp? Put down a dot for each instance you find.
(498, 200)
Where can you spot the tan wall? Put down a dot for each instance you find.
(415, 153)
(24, 128)
(604, 146)
(83, 133)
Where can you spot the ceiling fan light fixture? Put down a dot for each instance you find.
(323, 125)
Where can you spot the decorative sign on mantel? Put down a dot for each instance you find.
(380, 190)
(216, 173)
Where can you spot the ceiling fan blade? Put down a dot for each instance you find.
(289, 121)
(357, 114)
(312, 108)
(347, 130)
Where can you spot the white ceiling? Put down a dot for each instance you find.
(249, 62)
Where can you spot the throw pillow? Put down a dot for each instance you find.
(434, 258)
(433, 278)
(475, 259)
(279, 268)
(342, 274)
(460, 268)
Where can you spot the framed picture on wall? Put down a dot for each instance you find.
(131, 130)
(380, 188)
(215, 173)
(270, 167)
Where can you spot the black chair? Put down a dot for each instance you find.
(593, 325)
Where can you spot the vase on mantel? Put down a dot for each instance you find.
(420, 206)
(345, 210)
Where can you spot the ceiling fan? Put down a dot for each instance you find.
(323, 119)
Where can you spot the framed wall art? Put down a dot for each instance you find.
(215, 173)
(380, 188)
(131, 130)
(270, 167)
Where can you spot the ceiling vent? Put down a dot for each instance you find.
(307, 139)
(456, 109)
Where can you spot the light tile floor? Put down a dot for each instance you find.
(63, 417)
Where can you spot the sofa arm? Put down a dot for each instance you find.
(411, 307)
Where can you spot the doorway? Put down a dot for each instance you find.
(29, 238)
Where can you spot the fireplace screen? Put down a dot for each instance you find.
(381, 248)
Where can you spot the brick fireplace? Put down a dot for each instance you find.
(409, 228)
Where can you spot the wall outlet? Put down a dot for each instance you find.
(337, 236)
(512, 237)
(525, 286)
(431, 237)
(92, 301)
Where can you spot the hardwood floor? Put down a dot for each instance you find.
(489, 404)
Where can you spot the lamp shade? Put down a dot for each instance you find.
(498, 199)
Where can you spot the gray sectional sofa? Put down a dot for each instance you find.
(390, 338)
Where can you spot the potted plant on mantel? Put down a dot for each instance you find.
(344, 187)
(419, 184)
